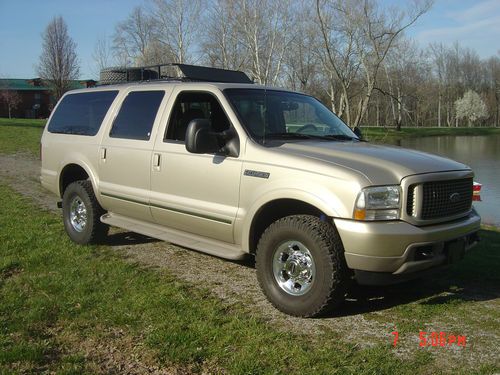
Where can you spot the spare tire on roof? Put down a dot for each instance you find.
(112, 75)
(119, 75)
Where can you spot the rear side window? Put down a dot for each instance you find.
(137, 115)
(82, 113)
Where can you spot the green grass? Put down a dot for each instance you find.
(379, 133)
(52, 289)
(451, 295)
(20, 135)
(55, 295)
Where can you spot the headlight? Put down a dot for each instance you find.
(378, 203)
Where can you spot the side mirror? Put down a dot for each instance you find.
(358, 133)
(200, 139)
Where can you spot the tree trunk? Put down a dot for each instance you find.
(439, 109)
(391, 98)
(497, 98)
(400, 108)
(378, 112)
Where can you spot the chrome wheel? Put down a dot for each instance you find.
(293, 267)
(78, 214)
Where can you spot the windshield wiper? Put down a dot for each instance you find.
(290, 135)
(336, 137)
(340, 137)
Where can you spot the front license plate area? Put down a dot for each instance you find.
(455, 250)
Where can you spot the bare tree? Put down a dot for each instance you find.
(352, 54)
(402, 71)
(339, 56)
(438, 53)
(58, 63)
(102, 54)
(301, 63)
(176, 25)
(493, 66)
(264, 28)
(221, 45)
(11, 99)
(369, 31)
(132, 37)
(253, 35)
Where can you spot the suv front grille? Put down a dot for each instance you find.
(439, 199)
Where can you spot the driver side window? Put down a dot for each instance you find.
(191, 105)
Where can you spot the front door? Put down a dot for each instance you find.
(196, 193)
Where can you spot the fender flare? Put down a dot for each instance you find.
(289, 193)
(83, 163)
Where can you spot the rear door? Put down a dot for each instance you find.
(126, 152)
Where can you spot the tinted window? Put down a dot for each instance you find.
(137, 115)
(81, 113)
(275, 114)
(195, 105)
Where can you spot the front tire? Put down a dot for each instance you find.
(301, 266)
(82, 212)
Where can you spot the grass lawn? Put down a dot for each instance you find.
(57, 297)
(20, 135)
(61, 303)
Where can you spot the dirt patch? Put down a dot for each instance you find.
(364, 320)
(113, 351)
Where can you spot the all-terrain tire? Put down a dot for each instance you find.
(82, 212)
(330, 278)
(110, 76)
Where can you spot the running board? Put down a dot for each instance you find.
(189, 240)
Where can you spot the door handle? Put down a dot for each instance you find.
(103, 153)
(156, 161)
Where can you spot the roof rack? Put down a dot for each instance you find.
(169, 72)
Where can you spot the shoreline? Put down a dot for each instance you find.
(373, 133)
(491, 227)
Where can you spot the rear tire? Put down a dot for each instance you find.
(301, 266)
(82, 213)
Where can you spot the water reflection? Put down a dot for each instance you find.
(481, 153)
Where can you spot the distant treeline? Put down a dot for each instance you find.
(352, 54)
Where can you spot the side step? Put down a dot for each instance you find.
(189, 240)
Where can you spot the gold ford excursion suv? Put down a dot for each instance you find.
(231, 168)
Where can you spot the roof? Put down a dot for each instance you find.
(161, 84)
(36, 84)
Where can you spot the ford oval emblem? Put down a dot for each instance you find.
(454, 198)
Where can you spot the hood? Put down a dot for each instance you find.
(380, 164)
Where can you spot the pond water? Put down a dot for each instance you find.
(482, 154)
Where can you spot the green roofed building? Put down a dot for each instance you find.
(30, 98)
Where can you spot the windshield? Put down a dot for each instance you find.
(268, 114)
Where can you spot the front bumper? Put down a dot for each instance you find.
(398, 250)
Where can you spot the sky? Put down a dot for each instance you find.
(473, 23)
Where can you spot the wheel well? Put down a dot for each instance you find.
(69, 174)
(276, 210)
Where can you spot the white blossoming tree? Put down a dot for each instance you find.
(471, 107)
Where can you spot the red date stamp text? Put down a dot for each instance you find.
(435, 339)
